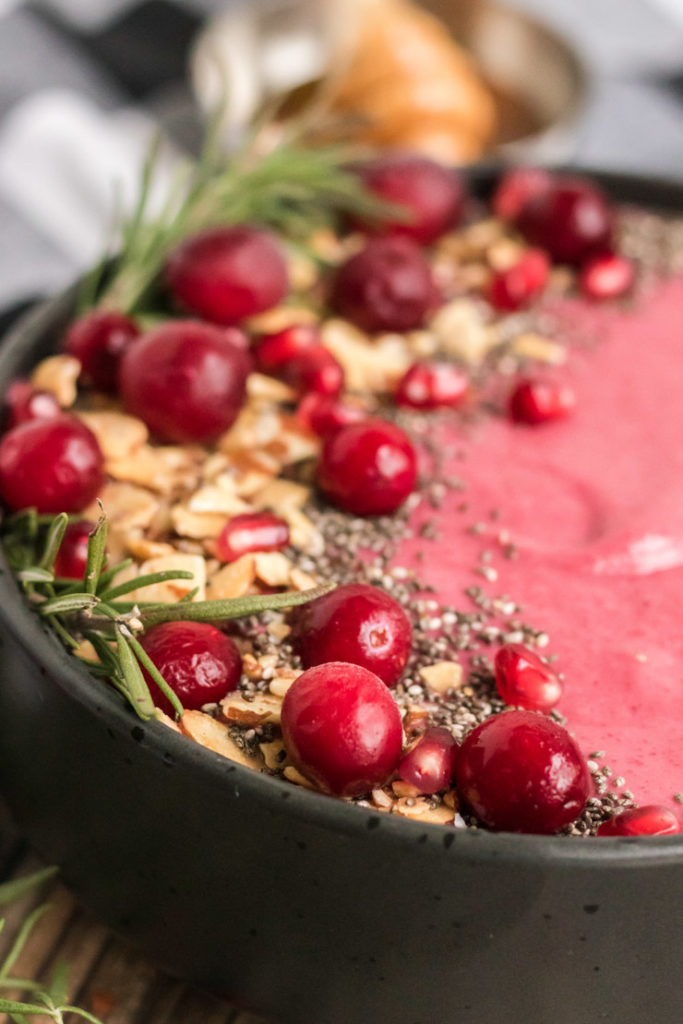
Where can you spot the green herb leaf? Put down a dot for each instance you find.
(96, 552)
(53, 541)
(148, 580)
(231, 608)
(10, 891)
(136, 688)
(68, 603)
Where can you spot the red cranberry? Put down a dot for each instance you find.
(358, 623)
(228, 273)
(342, 728)
(517, 286)
(432, 194)
(516, 188)
(53, 465)
(272, 352)
(367, 468)
(607, 276)
(253, 531)
(324, 415)
(652, 820)
(430, 764)
(535, 400)
(199, 663)
(315, 369)
(26, 403)
(98, 340)
(388, 286)
(522, 772)
(432, 386)
(186, 380)
(73, 552)
(526, 681)
(571, 220)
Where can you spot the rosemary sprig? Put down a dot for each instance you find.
(47, 1001)
(93, 610)
(293, 189)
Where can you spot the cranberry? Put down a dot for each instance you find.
(388, 286)
(607, 276)
(652, 820)
(272, 352)
(253, 531)
(536, 400)
(73, 551)
(367, 468)
(26, 403)
(517, 286)
(430, 764)
(228, 273)
(432, 194)
(516, 188)
(432, 386)
(53, 465)
(199, 663)
(522, 772)
(98, 340)
(571, 220)
(315, 369)
(324, 414)
(342, 728)
(526, 681)
(358, 623)
(186, 380)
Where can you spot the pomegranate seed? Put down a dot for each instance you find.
(324, 415)
(430, 764)
(432, 194)
(571, 220)
(253, 531)
(273, 351)
(228, 273)
(367, 468)
(53, 465)
(517, 286)
(522, 772)
(342, 728)
(432, 386)
(72, 556)
(26, 403)
(315, 369)
(98, 340)
(608, 276)
(199, 663)
(186, 380)
(652, 820)
(535, 400)
(388, 286)
(524, 680)
(356, 622)
(516, 188)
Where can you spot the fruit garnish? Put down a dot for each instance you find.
(324, 415)
(367, 468)
(432, 385)
(651, 820)
(518, 285)
(520, 771)
(537, 400)
(98, 340)
(342, 728)
(356, 623)
(429, 765)
(607, 276)
(185, 379)
(572, 220)
(315, 370)
(72, 557)
(253, 531)
(25, 402)
(516, 187)
(272, 352)
(524, 681)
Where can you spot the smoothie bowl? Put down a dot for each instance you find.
(321, 871)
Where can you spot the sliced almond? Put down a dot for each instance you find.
(273, 568)
(404, 789)
(255, 427)
(382, 800)
(233, 580)
(143, 549)
(126, 506)
(274, 754)
(263, 708)
(58, 374)
(281, 496)
(167, 721)
(301, 580)
(419, 809)
(118, 435)
(282, 316)
(204, 729)
(281, 683)
(163, 469)
(173, 590)
(294, 443)
(218, 496)
(197, 525)
(261, 388)
(535, 346)
(461, 331)
(279, 630)
(369, 364)
(303, 534)
(295, 776)
(443, 676)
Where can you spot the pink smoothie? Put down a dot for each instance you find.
(594, 505)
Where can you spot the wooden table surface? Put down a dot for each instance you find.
(106, 976)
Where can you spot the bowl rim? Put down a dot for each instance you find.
(329, 813)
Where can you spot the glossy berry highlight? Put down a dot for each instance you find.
(429, 765)
(432, 385)
(251, 532)
(524, 680)
(537, 400)
(517, 286)
(572, 220)
(651, 820)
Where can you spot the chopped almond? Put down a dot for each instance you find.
(58, 374)
(215, 735)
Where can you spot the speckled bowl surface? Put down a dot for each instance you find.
(306, 908)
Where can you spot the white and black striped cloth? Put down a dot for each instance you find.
(82, 82)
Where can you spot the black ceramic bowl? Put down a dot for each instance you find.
(314, 911)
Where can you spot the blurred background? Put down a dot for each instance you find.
(83, 83)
